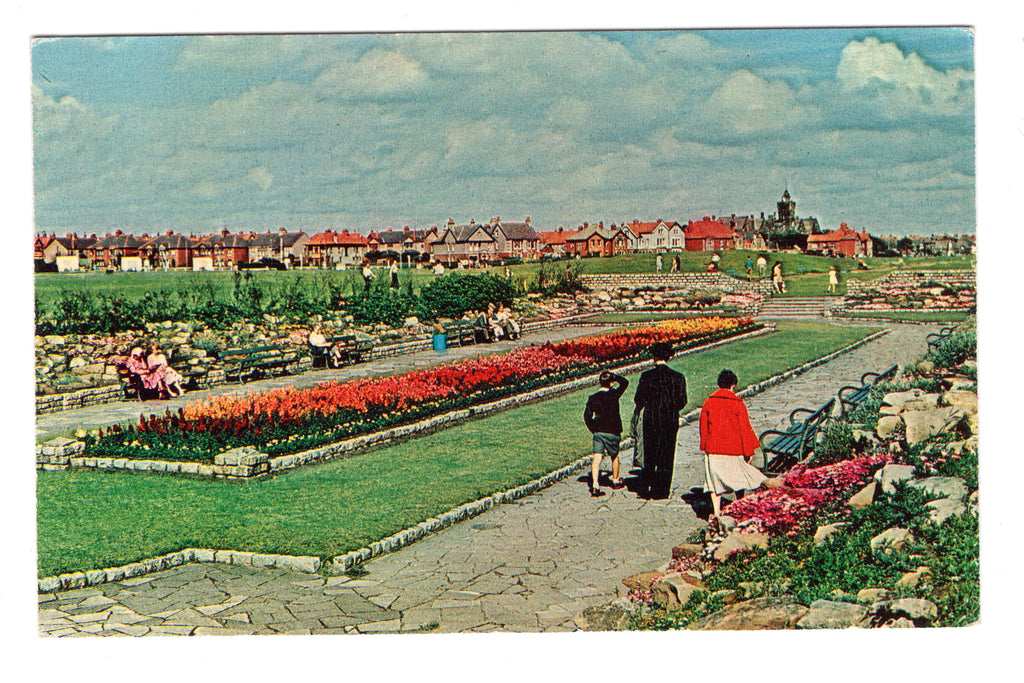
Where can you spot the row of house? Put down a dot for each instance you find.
(473, 242)
(489, 241)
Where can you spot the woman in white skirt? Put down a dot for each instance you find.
(729, 442)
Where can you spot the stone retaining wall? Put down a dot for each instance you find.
(341, 563)
(706, 281)
(904, 277)
(113, 393)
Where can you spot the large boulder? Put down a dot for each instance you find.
(890, 541)
(946, 487)
(920, 613)
(886, 426)
(735, 543)
(864, 497)
(891, 474)
(924, 424)
(673, 591)
(831, 614)
(823, 533)
(612, 617)
(966, 401)
(758, 614)
(642, 581)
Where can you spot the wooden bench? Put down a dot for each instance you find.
(936, 338)
(460, 332)
(351, 350)
(252, 362)
(786, 448)
(852, 396)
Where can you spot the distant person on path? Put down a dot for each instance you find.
(660, 394)
(675, 263)
(394, 273)
(603, 420)
(749, 266)
(728, 442)
(657, 264)
(777, 284)
(833, 279)
(368, 276)
(715, 258)
(762, 265)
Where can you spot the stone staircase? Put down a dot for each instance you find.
(794, 307)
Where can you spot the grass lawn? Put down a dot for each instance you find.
(813, 282)
(919, 316)
(89, 519)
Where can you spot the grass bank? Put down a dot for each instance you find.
(88, 519)
(917, 316)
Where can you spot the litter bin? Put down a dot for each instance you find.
(440, 343)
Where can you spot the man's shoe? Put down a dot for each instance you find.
(618, 484)
(594, 493)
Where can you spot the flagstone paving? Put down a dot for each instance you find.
(529, 566)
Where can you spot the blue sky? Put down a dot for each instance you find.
(872, 127)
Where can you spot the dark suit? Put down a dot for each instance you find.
(661, 394)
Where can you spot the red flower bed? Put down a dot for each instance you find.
(778, 511)
(335, 410)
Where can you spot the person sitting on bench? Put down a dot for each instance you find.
(330, 351)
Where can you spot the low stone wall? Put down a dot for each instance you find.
(912, 277)
(714, 282)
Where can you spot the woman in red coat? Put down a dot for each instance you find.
(728, 442)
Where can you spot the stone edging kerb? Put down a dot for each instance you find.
(341, 563)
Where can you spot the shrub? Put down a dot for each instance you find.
(378, 304)
(453, 295)
(959, 346)
(836, 445)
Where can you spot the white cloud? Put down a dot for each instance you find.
(912, 82)
(379, 73)
(261, 176)
(747, 104)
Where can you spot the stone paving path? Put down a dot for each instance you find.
(527, 566)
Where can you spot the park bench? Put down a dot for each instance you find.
(783, 449)
(132, 386)
(351, 348)
(852, 396)
(936, 338)
(460, 332)
(254, 361)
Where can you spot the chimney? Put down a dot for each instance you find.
(600, 224)
(281, 231)
(406, 230)
(451, 222)
(472, 221)
(224, 232)
(527, 221)
(560, 229)
(118, 233)
(170, 233)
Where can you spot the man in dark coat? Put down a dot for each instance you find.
(602, 419)
(660, 394)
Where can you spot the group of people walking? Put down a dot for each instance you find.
(727, 438)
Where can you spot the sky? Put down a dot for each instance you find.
(368, 131)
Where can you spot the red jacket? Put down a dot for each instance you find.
(725, 426)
